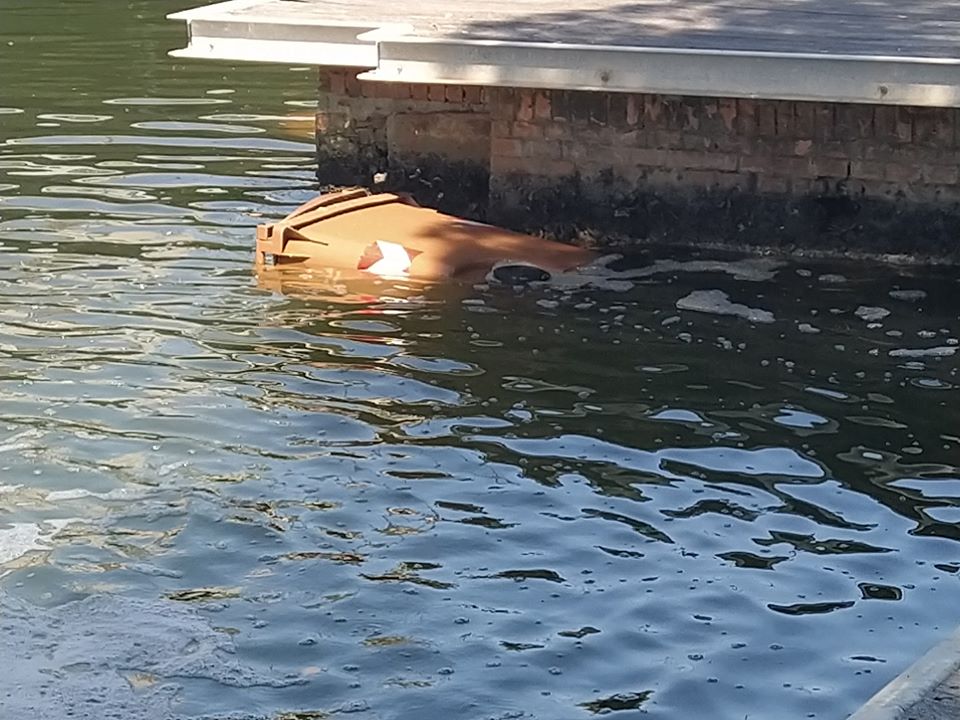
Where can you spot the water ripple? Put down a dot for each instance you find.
(569, 501)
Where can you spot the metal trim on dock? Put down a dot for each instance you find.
(219, 32)
(701, 73)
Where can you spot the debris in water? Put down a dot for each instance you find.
(908, 295)
(717, 302)
(123, 656)
(752, 269)
(871, 314)
(940, 351)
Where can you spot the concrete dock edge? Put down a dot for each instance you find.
(915, 685)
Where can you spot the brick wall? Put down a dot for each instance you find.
(726, 170)
(432, 140)
(733, 171)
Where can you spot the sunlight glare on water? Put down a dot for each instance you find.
(691, 484)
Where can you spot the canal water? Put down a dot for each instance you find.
(702, 486)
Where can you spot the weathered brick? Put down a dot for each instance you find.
(525, 106)
(766, 119)
(611, 158)
(673, 114)
(501, 129)
(691, 113)
(940, 174)
(773, 184)
(824, 122)
(456, 135)
(904, 125)
(786, 118)
(599, 104)
(402, 91)
(933, 126)
(713, 179)
(867, 169)
(471, 95)
(454, 94)
(502, 103)
(532, 167)
(330, 121)
(911, 154)
(802, 187)
(731, 181)
(830, 167)
(381, 90)
(648, 157)
(560, 105)
(506, 147)
(581, 107)
(634, 109)
(556, 130)
(746, 117)
(691, 160)
(542, 105)
(662, 178)
(805, 115)
(783, 166)
(617, 110)
(352, 84)
(728, 112)
(575, 152)
(653, 109)
(419, 92)
(542, 149)
(526, 131)
(337, 82)
(730, 142)
(902, 173)
(697, 142)
(623, 143)
(672, 139)
(885, 123)
(852, 122)
(627, 138)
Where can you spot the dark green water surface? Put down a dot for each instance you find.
(220, 501)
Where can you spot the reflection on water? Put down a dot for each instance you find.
(685, 482)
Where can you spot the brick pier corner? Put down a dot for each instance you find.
(800, 175)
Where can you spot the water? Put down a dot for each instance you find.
(219, 500)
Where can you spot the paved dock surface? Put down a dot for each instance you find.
(927, 690)
(940, 703)
(919, 28)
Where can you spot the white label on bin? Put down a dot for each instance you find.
(386, 258)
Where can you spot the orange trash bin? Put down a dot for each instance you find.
(389, 235)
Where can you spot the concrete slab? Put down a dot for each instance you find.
(857, 51)
(941, 704)
(921, 28)
(928, 690)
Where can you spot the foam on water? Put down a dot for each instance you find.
(114, 657)
(717, 302)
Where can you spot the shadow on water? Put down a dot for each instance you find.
(684, 481)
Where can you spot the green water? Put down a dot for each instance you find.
(221, 501)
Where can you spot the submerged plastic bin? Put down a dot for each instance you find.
(391, 236)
